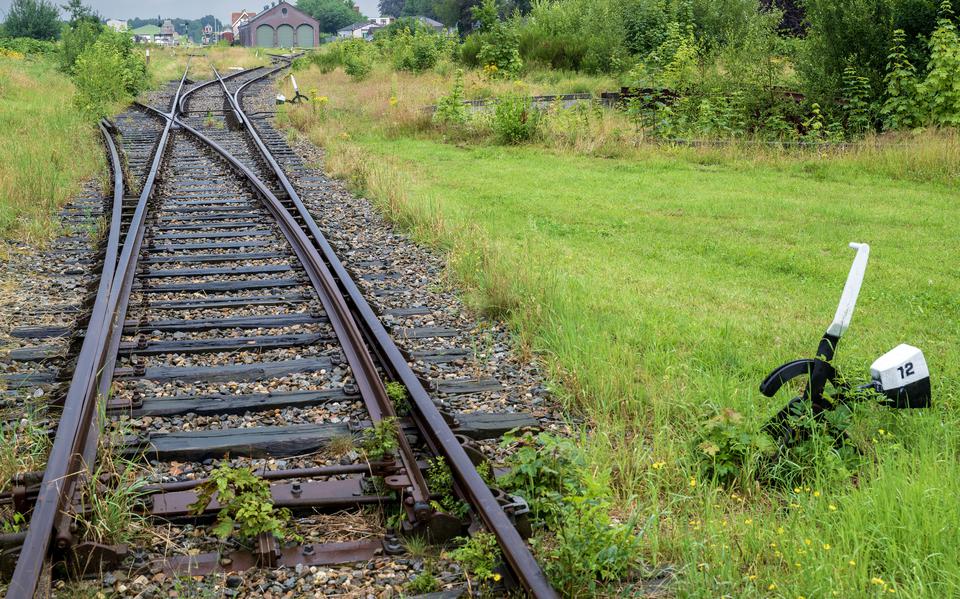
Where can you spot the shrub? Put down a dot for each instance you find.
(939, 88)
(108, 71)
(901, 109)
(450, 108)
(77, 39)
(356, 56)
(27, 45)
(417, 51)
(859, 109)
(515, 119)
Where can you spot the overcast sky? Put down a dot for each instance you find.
(186, 9)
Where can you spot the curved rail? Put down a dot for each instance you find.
(430, 421)
(76, 431)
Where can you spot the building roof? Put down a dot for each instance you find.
(429, 21)
(355, 26)
(146, 30)
(235, 17)
(278, 6)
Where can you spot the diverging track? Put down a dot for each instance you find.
(225, 299)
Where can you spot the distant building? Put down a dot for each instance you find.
(227, 34)
(238, 19)
(147, 34)
(367, 29)
(117, 25)
(281, 26)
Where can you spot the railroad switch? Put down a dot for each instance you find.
(899, 379)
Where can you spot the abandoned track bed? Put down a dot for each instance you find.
(227, 329)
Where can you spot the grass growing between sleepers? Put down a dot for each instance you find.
(661, 286)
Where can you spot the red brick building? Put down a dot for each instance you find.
(281, 26)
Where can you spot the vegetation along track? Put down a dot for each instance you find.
(220, 298)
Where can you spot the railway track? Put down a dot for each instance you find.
(226, 328)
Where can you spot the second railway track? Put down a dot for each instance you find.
(226, 328)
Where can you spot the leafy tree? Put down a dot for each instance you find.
(332, 14)
(38, 19)
(391, 8)
(78, 11)
(419, 8)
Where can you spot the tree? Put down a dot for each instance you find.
(38, 19)
(391, 8)
(78, 11)
(419, 8)
(332, 14)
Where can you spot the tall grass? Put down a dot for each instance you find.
(662, 284)
(46, 147)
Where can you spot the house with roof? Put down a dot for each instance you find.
(117, 25)
(366, 30)
(281, 26)
(238, 19)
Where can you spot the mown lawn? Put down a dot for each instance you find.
(663, 289)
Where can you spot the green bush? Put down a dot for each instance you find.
(574, 503)
(108, 71)
(357, 57)
(451, 110)
(417, 51)
(77, 39)
(939, 89)
(515, 119)
(901, 109)
(27, 45)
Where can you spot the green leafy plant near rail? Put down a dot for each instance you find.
(381, 440)
(246, 505)
(584, 547)
(479, 556)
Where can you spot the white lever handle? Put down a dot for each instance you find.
(851, 290)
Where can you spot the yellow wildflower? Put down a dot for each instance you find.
(772, 586)
(877, 581)
(752, 577)
(816, 493)
(779, 530)
(693, 482)
(496, 577)
(748, 521)
(852, 563)
(833, 508)
(658, 465)
(807, 542)
(394, 101)
(826, 546)
(797, 490)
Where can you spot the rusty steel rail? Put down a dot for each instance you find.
(430, 421)
(79, 427)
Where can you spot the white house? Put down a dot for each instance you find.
(238, 19)
(117, 25)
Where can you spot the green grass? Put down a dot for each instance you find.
(662, 289)
(46, 146)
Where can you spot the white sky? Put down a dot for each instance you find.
(184, 9)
